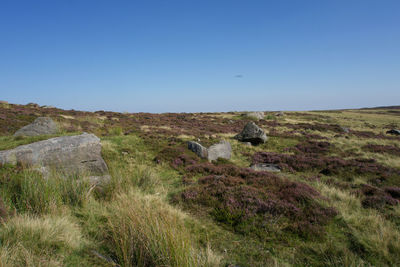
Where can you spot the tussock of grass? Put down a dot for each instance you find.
(39, 241)
(142, 230)
(379, 238)
(141, 177)
(28, 191)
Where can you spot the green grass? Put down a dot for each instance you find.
(28, 192)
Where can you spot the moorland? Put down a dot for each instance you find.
(333, 202)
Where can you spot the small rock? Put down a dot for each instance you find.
(257, 115)
(247, 143)
(252, 133)
(279, 114)
(34, 105)
(345, 129)
(200, 150)
(42, 125)
(393, 132)
(221, 150)
(265, 167)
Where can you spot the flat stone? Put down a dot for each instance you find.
(265, 167)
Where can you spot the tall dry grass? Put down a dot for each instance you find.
(38, 241)
(143, 230)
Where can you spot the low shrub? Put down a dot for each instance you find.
(378, 198)
(312, 147)
(326, 165)
(393, 150)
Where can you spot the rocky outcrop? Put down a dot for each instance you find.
(253, 134)
(221, 150)
(41, 126)
(70, 155)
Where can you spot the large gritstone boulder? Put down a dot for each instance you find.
(70, 155)
(221, 150)
(253, 134)
(41, 126)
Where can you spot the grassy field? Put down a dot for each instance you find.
(335, 202)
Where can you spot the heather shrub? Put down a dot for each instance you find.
(247, 200)
(393, 150)
(3, 211)
(378, 198)
(312, 147)
(326, 165)
(393, 191)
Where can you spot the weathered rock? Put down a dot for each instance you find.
(265, 167)
(258, 115)
(200, 150)
(252, 133)
(394, 132)
(70, 155)
(42, 125)
(34, 105)
(221, 150)
(280, 114)
(46, 106)
(345, 129)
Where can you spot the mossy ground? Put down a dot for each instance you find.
(141, 219)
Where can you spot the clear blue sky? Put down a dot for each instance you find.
(200, 55)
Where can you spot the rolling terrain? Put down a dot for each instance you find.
(333, 202)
